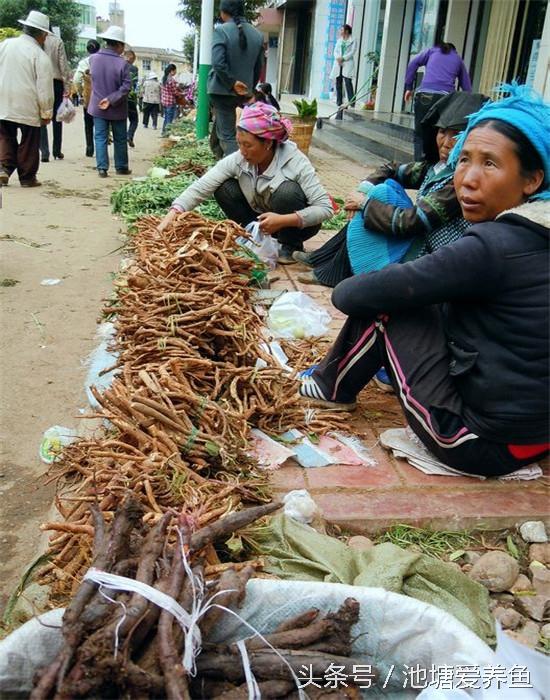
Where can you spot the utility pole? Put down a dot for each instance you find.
(207, 28)
(196, 55)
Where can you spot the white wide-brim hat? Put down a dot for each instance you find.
(113, 33)
(38, 20)
(152, 76)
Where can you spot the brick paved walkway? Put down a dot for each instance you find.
(367, 499)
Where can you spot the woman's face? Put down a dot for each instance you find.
(488, 177)
(445, 139)
(253, 149)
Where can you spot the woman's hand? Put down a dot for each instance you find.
(408, 95)
(168, 219)
(270, 222)
(354, 201)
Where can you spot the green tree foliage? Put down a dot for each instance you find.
(62, 13)
(189, 48)
(190, 10)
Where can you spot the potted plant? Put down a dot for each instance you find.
(303, 123)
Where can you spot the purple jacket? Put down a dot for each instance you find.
(442, 69)
(111, 79)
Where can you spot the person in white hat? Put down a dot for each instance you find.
(111, 83)
(26, 99)
(151, 100)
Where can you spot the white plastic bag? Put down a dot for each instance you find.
(66, 111)
(53, 441)
(265, 247)
(295, 315)
(300, 506)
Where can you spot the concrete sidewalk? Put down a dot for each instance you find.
(367, 499)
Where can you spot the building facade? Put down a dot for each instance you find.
(154, 60)
(87, 25)
(500, 40)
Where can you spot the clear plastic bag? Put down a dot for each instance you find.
(265, 247)
(295, 315)
(66, 111)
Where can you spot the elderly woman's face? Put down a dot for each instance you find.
(253, 150)
(488, 177)
(445, 139)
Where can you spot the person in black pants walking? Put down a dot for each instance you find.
(83, 83)
(55, 49)
(133, 116)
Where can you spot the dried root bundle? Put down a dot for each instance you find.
(129, 647)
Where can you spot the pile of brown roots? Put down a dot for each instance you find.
(187, 392)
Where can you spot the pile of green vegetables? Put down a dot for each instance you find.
(154, 195)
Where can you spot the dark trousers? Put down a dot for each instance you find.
(225, 120)
(89, 132)
(287, 199)
(150, 109)
(423, 102)
(56, 126)
(339, 92)
(133, 119)
(23, 156)
(413, 349)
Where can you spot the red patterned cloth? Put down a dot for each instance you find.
(265, 121)
(168, 92)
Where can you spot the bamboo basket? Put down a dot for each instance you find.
(302, 132)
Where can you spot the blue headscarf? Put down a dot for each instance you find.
(524, 109)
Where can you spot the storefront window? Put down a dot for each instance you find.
(424, 25)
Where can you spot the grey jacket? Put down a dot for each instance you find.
(289, 164)
(230, 62)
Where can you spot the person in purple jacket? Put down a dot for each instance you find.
(443, 66)
(111, 83)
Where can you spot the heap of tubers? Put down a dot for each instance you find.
(118, 644)
(187, 392)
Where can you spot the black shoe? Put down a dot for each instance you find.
(59, 156)
(31, 183)
(45, 159)
(102, 173)
(89, 153)
(131, 143)
(123, 171)
(4, 179)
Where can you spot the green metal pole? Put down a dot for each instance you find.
(207, 28)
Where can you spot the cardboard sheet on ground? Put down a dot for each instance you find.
(298, 552)
(405, 445)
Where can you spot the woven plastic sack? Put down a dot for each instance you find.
(393, 631)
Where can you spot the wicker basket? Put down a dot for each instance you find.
(302, 132)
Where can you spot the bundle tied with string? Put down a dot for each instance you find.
(141, 622)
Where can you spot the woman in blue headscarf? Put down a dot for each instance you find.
(463, 332)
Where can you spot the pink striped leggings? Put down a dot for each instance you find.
(413, 348)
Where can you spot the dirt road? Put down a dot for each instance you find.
(62, 230)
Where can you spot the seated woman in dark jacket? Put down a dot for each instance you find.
(388, 227)
(463, 332)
